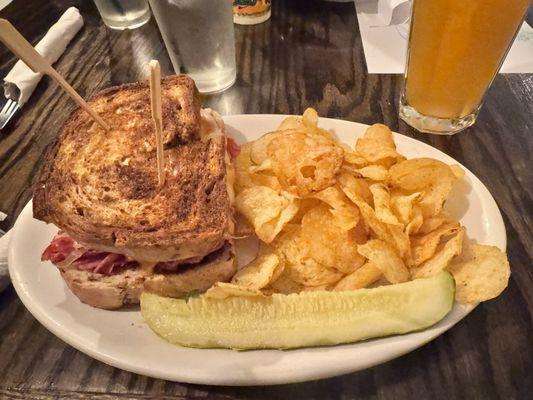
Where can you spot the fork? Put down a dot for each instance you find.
(8, 110)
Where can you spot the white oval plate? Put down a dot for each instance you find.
(121, 339)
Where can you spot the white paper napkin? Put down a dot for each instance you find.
(394, 12)
(21, 81)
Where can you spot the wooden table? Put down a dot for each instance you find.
(308, 54)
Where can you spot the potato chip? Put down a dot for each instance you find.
(266, 179)
(345, 213)
(267, 210)
(260, 204)
(433, 198)
(419, 173)
(401, 242)
(442, 257)
(386, 259)
(258, 150)
(268, 232)
(481, 273)
(310, 118)
(374, 172)
(306, 204)
(318, 288)
(304, 163)
(290, 245)
(266, 165)
(392, 234)
(432, 223)
(310, 273)
(377, 144)
(310, 121)
(260, 272)
(402, 206)
(243, 163)
(291, 123)
(246, 174)
(433, 177)
(458, 171)
(328, 243)
(360, 278)
(360, 233)
(352, 158)
(284, 285)
(382, 204)
(356, 186)
(423, 247)
(417, 220)
(222, 290)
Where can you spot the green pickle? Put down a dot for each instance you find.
(300, 320)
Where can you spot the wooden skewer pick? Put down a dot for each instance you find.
(155, 100)
(25, 51)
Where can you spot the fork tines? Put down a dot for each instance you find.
(8, 110)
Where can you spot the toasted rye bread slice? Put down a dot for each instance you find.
(101, 187)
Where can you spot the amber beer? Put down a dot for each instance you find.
(456, 47)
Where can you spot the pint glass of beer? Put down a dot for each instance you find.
(456, 48)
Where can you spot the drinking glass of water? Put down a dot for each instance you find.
(200, 41)
(123, 14)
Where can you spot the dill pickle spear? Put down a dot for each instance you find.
(300, 320)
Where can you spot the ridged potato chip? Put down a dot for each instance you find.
(306, 204)
(442, 257)
(267, 210)
(391, 234)
(402, 206)
(434, 178)
(362, 277)
(353, 159)
(243, 163)
(383, 256)
(377, 144)
(284, 285)
(382, 204)
(423, 247)
(356, 186)
(345, 212)
(223, 290)
(417, 220)
(259, 273)
(258, 149)
(481, 273)
(249, 175)
(304, 163)
(309, 272)
(432, 223)
(373, 172)
(328, 243)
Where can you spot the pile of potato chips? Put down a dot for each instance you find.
(330, 217)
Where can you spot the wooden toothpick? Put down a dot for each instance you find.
(25, 51)
(155, 100)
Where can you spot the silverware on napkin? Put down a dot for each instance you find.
(21, 81)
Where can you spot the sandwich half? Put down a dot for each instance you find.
(120, 233)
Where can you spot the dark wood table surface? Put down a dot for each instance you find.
(308, 54)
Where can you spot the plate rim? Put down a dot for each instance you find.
(89, 349)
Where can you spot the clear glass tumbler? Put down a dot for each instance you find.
(124, 14)
(456, 48)
(200, 40)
